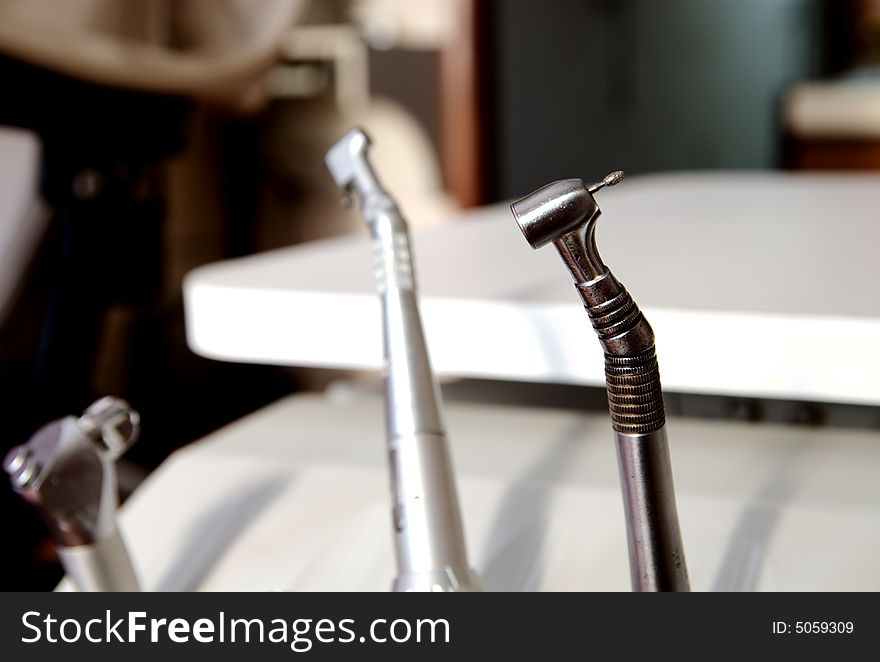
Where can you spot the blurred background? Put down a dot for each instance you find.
(140, 139)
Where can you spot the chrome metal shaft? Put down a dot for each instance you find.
(656, 554)
(103, 566)
(429, 536)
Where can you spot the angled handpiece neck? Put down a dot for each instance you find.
(374, 201)
(349, 164)
(579, 252)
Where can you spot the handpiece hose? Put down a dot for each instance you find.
(428, 533)
(565, 213)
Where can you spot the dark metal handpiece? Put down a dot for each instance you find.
(565, 213)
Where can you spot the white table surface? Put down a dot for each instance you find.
(295, 498)
(756, 284)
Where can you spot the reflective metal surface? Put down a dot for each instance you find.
(565, 213)
(429, 537)
(67, 472)
(655, 547)
(103, 565)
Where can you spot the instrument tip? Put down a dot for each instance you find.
(611, 179)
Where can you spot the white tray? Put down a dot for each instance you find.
(756, 284)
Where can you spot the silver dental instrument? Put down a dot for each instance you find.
(429, 537)
(67, 471)
(565, 213)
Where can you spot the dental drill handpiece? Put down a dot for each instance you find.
(67, 471)
(565, 213)
(429, 537)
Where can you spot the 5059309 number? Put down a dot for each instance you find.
(813, 627)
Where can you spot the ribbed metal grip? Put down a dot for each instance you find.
(392, 262)
(635, 398)
(615, 316)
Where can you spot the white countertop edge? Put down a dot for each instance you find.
(791, 357)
